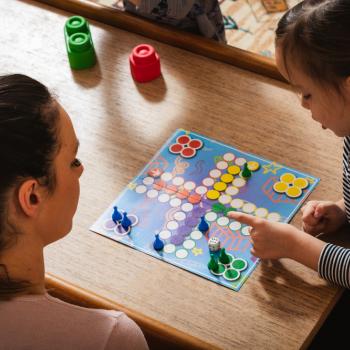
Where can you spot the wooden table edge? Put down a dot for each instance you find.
(69, 292)
(322, 319)
(171, 36)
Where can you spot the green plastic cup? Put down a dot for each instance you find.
(76, 24)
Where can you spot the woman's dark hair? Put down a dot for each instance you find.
(316, 35)
(28, 145)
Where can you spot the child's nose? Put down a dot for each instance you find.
(81, 170)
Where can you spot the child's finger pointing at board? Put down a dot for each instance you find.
(245, 218)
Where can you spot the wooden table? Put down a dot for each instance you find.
(121, 125)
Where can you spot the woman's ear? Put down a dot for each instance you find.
(29, 197)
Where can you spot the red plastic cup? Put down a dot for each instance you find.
(144, 63)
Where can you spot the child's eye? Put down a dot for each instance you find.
(306, 97)
(76, 163)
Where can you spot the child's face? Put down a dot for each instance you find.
(60, 206)
(327, 106)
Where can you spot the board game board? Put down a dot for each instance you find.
(192, 177)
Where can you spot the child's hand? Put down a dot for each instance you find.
(271, 240)
(323, 216)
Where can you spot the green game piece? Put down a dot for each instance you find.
(239, 264)
(246, 172)
(227, 210)
(224, 258)
(231, 274)
(221, 269)
(218, 208)
(80, 49)
(213, 264)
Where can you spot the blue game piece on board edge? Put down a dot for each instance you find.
(126, 223)
(158, 243)
(203, 225)
(116, 216)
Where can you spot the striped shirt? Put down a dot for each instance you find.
(334, 262)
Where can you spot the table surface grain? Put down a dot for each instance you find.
(121, 125)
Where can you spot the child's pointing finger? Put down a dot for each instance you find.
(244, 218)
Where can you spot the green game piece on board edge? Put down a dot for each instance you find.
(213, 264)
(80, 49)
(224, 258)
(227, 210)
(218, 208)
(246, 172)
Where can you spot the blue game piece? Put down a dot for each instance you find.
(116, 216)
(126, 223)
(203, 225)
(158, 243)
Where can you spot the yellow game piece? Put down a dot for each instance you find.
(220, 186)
(253, 166)
(234, 169)
(280, 187)
(294, 192)
(288, 178)
(212, 194)
(301, 183)
(227, 178)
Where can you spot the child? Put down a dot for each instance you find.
(197, 16)
(39, 181)
(313, 53)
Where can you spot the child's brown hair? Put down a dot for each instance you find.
(315, 35)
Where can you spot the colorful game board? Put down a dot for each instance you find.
(193, 177)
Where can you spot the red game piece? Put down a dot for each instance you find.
(188, 152)
(175, 148)
(144, 63)
(196, 144)
(183, 140)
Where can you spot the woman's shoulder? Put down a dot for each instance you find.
(125, 333)
(112, 328)
(46, 302)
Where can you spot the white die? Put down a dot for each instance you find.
(214, 244)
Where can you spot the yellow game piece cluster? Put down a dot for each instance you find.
(290, 185)
(229, 182)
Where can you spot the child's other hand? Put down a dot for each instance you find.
(271, 240)
(323, 216)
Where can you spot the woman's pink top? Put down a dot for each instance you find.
(42, 322)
